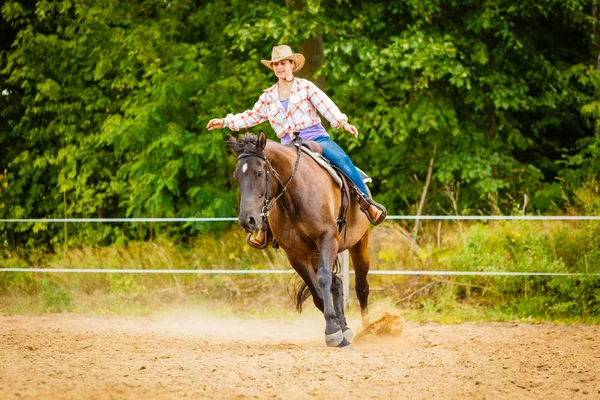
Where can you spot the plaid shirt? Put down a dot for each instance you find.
(305, 100)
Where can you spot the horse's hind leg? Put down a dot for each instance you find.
(360, 260)
(306, 272)
(337, 292)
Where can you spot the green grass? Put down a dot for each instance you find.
(551, 246)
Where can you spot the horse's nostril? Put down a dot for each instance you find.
(251, 222)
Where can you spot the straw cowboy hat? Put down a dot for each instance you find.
(281, 53)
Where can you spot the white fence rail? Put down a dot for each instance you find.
(389, 217)
(345, 263)
(284, 271)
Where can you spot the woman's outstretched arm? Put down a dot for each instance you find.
(247, 119)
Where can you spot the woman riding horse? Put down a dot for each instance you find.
(291, 106)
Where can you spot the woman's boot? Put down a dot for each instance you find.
(375, 212)
(263, 238)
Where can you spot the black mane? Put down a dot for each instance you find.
(246, 145)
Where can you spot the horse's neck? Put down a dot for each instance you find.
(310, 192)
(283, 160)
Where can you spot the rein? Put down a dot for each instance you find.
(267, 207)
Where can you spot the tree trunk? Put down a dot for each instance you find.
(596, 121)
(424, 194)
(312, 50)
(492, 126)
(596, 53)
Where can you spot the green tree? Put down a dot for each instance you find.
(107, 101)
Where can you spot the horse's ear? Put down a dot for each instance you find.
(262, 141)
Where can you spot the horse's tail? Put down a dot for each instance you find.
(302, 293)
(301, 290)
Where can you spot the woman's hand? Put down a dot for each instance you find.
(351, 129)
(216, 123)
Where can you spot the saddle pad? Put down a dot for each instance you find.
(323, 162)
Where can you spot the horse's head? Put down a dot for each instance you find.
(250, 175)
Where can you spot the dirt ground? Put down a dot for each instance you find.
(67, 356)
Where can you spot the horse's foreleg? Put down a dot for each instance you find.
(360, 260)
(328, 247)
(337, 292)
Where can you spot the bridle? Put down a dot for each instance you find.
(268, 203)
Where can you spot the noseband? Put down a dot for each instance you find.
(268, 205)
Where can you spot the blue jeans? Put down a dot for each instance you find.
(338, 157)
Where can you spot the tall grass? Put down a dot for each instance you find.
(533, 246)
(523, 246)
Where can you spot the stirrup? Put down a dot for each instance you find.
(380, 207)
(255, 241)
(266, 239)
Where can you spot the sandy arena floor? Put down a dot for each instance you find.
(68, 356)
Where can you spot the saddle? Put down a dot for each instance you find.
(315, 151)
(347, 187)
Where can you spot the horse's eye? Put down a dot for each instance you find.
(259, 173)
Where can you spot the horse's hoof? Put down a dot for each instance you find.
(348, 334)
(349, 347)
(335, 339)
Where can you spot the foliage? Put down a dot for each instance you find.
(525, 246)
(104, 104)
(528, 247)
(55, 298)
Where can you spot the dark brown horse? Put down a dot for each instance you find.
(303, 222)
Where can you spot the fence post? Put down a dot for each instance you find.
(346, 276)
